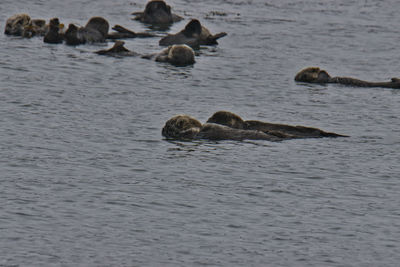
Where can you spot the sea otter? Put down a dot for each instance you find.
(124, 33)
(117, 50)
(224, 125)
(285, 131)
(16, 24)
(95, 31)
(184, 127)
(54, 34)
(23, 25)
(178, 55)
(157, 12)
(194, 35)
(316, 75)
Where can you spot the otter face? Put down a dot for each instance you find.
(16, 24)
(180, 55)
(312, 75)
(228, 119)
(181, 127)
(157, 12)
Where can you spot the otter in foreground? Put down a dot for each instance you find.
(288, 131)
(225, 125)
(316, 75)
(157, 12)
(184, 127)
(194, 35)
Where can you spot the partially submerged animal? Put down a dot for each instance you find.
(194, 35)
(117, 50)
(184, 127)
(95, 31)
(225, 125)
(54, 34)
(287, 131)
(157, 12)
(124, 33)
(178, 55)
(317, 75)
(23, 25)
(16, 24)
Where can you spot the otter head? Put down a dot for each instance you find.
(180, 55)
(157, 12)
(228, 119)
(181, 127)
(99, 24)
(193, 28)
(312, 75)
(16, 24)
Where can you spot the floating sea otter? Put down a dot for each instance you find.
(118, 50)
(225, 125)
(178, 55)
(23, 25)
(54, 34)
(96, 30)
(194, 35)
(316, 75)
(157, 12)
(16, 24)
(184, 127)
(234, 121)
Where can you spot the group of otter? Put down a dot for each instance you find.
(222, 125)
(180, 45)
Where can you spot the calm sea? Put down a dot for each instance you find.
(86, 179)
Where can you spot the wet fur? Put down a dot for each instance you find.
(316, 75)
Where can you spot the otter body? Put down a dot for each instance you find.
(225, 125)
(316, 75)
(184, 127)
(194, 35)
(281, 130)
(95, 31)
(54, 35)
(117, 50)
(178, 55)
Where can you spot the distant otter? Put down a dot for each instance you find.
(184, 127)
(16, 24)
(54, 34)
(316, 75)
(194, 35)
(157, 12)
(178, 55)
(124, 33)
(95, 31)
(23, 25)
(117, 50)
(282, 130)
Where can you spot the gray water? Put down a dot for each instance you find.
(88, 180)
